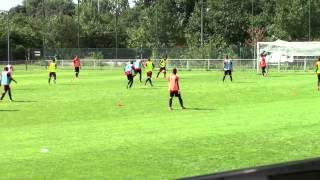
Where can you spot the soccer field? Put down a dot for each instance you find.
(78, 130)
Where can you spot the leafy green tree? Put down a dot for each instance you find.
(227, 24)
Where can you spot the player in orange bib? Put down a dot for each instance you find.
(76, 65)
(174, 89)
(263, 65)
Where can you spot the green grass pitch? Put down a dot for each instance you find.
(252, 121)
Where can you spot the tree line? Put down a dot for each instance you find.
(227, 25)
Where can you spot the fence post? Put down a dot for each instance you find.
(208, 65)
(188, 65)
(26, 63)
(256, 59)
(27, 58)
(305, 64)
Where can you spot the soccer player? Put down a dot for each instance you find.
(317, 65)
(149, 66)
(263, 65)
(128, 70)
(174, 88)
(52, 68)
(6, 79)
(163, 66)
(137, 68)
(227, 67)
(76, 65)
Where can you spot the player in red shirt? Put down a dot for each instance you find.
(263, 65)
(76, 65)
(174, 89)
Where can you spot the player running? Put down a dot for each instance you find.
(128, 70)
(76, 65)
(263, 65)
(149, 66)
(52, 68)
(317, 65)
(137, 68)
(6, 79)
(174, 88)
(227, 67)
(163, 66)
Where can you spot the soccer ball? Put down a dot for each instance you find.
(10, 67)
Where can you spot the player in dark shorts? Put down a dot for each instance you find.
(227, 72)
(137, 68)
(149, 66)
(227, 67)
(76, 65)
(263, 65)
(6, 79)
(174, 89)
(52, 68)
(77, 71)
(128, 70)
(163, 66)
(52, 75)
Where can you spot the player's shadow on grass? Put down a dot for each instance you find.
(162, 86)
(303, 74)
(243, 82)
(276, 76)
(24, 89)
(150, 88)
(24, 101)
(69, 84)
(201, 109)
(9, 110)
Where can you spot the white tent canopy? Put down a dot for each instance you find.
(283, 51)
(290, 48)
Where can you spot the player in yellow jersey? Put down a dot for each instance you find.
(317, 65)
(52, 68)
(163, 66)
(149, 66)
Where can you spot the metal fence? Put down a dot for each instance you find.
(182, 64)
(237, 52)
